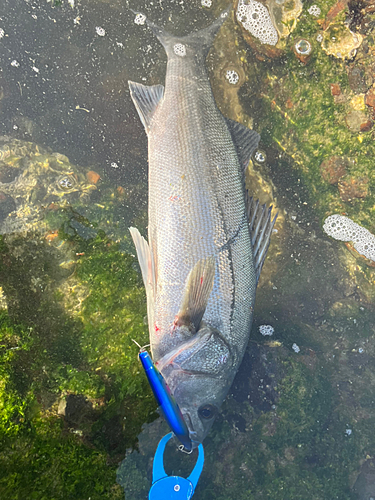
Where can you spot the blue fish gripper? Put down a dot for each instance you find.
(173, 487)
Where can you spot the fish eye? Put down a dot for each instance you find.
(207, 411)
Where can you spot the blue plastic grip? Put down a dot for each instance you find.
(173, 487)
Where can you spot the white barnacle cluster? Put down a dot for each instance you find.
(296, 348)
(2, 33)
(100, 31)
(303, 47)
(344, 229)
(314, 10)
(255, 18)
(259, 156)
(232, 76)
(140, 19)
(266, 330)
(179, 49)
(206, 3)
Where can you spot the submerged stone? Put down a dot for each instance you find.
(358, 121)
(357, 79)
(370, 98)
(335, 89)
(358, 102)
(33, 178)
(332, 169)
(364, 486)
(351, 188)
(340, 42)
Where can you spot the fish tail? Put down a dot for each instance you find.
(201, 40)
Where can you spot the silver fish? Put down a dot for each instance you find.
(207, 240)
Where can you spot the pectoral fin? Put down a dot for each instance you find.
(198, 288)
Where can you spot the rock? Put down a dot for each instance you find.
(339, 99)
(267, 23)
(284, 15)
(7, 205)
(32, 178)
(364, 486)
(365, 127)
(358, 102)
(370, 98)
(340, 42)
(357, 79)
(351, 188)
(333, 13)
(332, 169)
(75, 408)
(93, 177)
(358, 121)
(335, 89)
(8, 174)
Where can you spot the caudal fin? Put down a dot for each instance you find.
(200, 40)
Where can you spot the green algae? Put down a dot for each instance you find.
(46, 463)
(300, 115)
(49, 352)
(298, 449)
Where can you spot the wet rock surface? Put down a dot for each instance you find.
(351, 188)
(32, 179)
(364, 486)
(75, 408)
(334, 168)
(358, 121)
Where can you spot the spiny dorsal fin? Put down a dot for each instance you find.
(261, 226)
(198, 288)
(146, 100)
(245, 140)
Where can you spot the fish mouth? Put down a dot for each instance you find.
(193, 435)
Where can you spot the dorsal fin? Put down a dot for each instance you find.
(245, 140)
(146, 99)
(261, 226)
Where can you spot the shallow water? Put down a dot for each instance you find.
(77, 419)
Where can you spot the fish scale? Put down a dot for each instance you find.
(202, 283)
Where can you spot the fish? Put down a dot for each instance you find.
(207, 237)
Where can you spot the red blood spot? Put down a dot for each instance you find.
(157, 329)
(201, 279)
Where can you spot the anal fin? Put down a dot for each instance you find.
(261, 226)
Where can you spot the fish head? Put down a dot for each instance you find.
(199, 398)
(199, 373)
